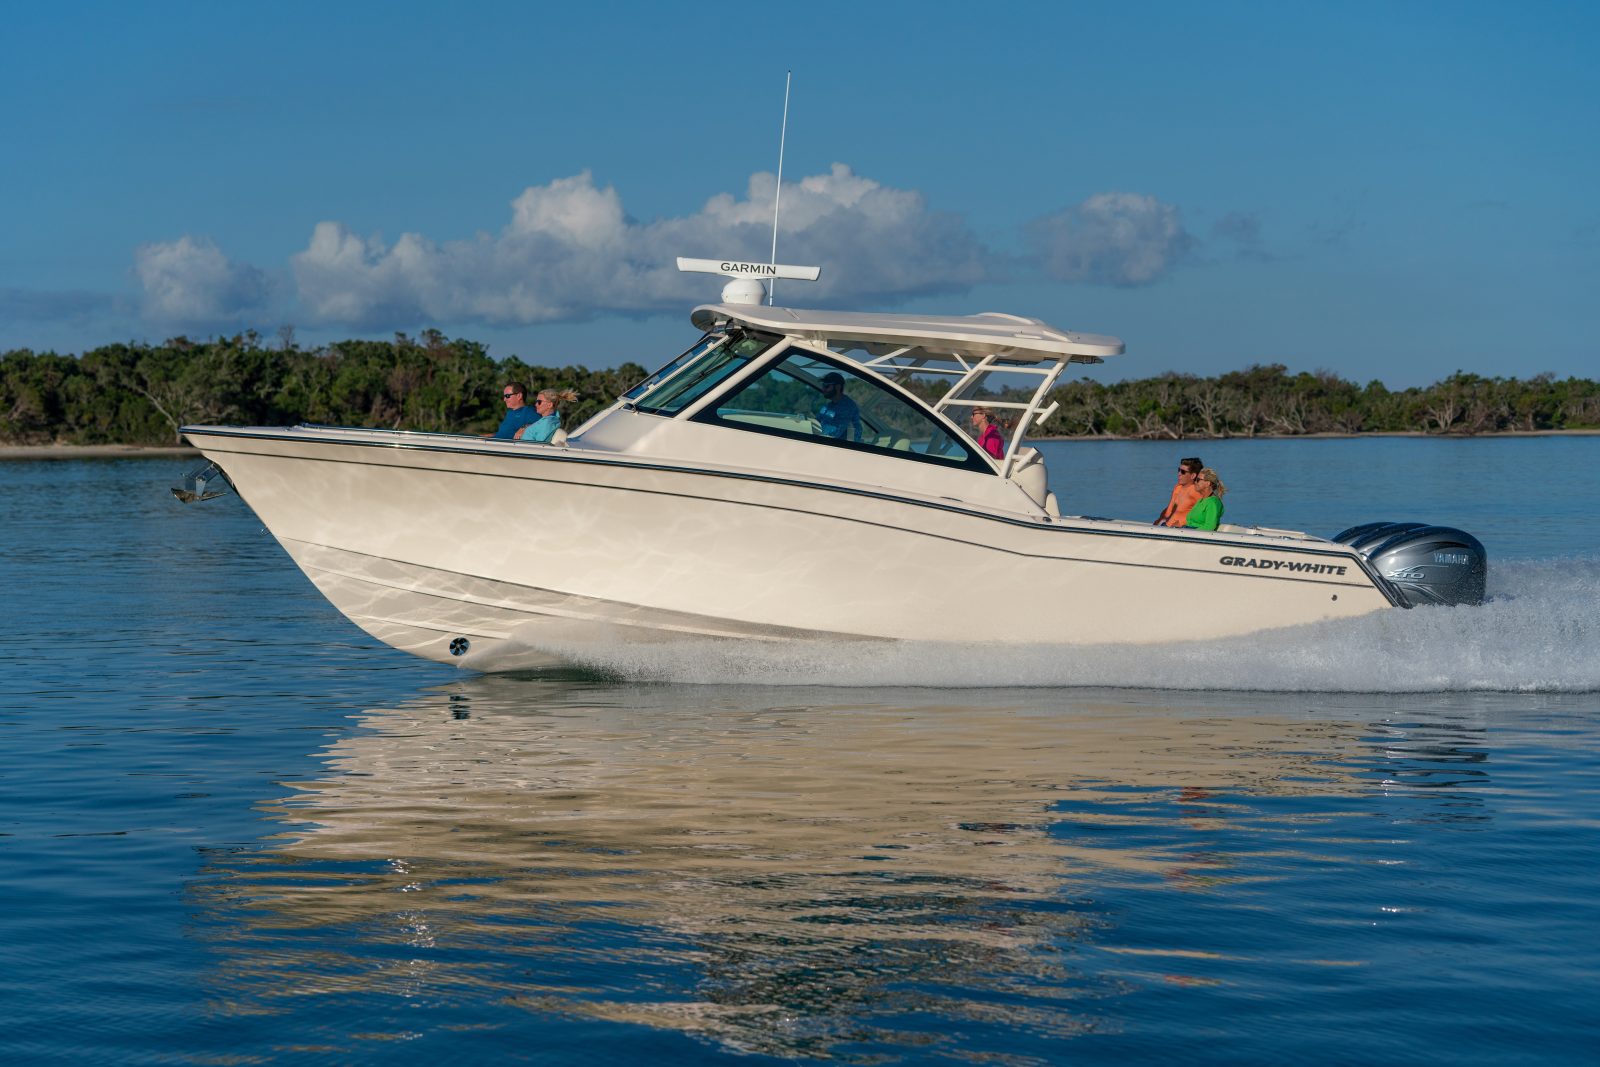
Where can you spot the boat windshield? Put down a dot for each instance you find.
(811, 398)
(688, 378)
(704, 345)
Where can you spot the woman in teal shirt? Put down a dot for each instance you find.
(549, 421)
(1207, 511)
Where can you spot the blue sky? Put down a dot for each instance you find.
(1391, 191)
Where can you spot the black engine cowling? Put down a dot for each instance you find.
(1427, 564)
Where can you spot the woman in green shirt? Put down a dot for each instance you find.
(1207, 511)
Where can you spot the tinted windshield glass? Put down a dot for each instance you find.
(706, 344)
(806, 396)
(703, 370)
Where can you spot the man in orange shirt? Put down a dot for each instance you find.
(1184, 494)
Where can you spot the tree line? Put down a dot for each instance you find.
(142, 393)
(1267, 400)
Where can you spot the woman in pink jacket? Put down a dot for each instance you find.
(988, 433)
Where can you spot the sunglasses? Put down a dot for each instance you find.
(508, 396)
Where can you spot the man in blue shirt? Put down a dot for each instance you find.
(839, 415)
(518, 414)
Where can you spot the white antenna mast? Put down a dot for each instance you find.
(749, 282)
(777, 198)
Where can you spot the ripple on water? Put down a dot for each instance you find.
(232, 827)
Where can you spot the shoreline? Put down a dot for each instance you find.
(55, 451)
(95, 451)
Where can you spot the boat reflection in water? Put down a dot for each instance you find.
(806, 872)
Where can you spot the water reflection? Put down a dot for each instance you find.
(822, 873)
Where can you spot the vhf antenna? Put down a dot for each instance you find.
(748, 282)
(783, 133)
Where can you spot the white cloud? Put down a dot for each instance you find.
(1111, 239)
(570, 252)
(190, 281)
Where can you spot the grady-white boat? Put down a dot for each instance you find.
(726, 497)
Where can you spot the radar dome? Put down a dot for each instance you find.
(744, 291)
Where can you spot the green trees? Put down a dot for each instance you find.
(1269, 400)
(142, 394)
(32, 394)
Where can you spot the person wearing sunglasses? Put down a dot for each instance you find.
(548, 422)
(839, 416)
(518, 414)
(1207, 511)
(988, 433)
(1184, 494)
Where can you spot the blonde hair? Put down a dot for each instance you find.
(1209, 475)
(565, 396)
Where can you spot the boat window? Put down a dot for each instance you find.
(808, 397)
(715, 364)
(704, 345)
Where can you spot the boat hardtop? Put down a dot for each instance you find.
(991, 333)
(942, 366)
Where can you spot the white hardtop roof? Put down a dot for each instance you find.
(991, 333)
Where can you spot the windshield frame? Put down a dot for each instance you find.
(671, 403)
(669, 369)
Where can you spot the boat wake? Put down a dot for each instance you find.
(1538, 632)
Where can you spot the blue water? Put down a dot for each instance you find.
(233, 829)
(1524, 497)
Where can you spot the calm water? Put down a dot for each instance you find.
(235, 830)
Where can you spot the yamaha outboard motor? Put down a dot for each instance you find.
(1426, 564)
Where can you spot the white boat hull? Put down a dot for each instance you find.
(529, 553)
